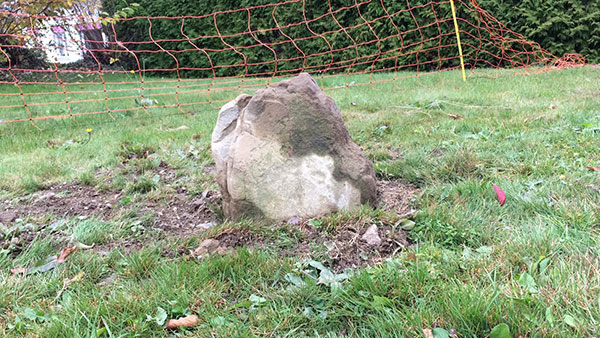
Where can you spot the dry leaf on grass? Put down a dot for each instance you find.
(454, 116)
(82, 246)
(18, 270)
(66, 252)
(593, 168)
(184, 127)
(49, 264)
(428, 333)
(183, 322)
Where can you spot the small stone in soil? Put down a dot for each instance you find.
(208, 247)
(371, 236)
(206, 226)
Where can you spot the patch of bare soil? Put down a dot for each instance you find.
(175, 214)
(346, 247)
(66, 199)
(180, 216)
(396, 196)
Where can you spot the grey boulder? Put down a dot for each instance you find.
(286, 152)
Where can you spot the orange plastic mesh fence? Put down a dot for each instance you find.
(101, 86)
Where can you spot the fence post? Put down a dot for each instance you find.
(460, 53)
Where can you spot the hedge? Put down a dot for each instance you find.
(560, 26)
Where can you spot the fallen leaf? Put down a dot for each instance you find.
(49, 264)
(407, 225)
(438, 332)
(428, 333)
(82, 246)
(593, 168)
(500, 194)
(569, 320)
(184, 127)
(161, 316)
(66, 252)
(18, 270)
(454, 116)
(183, 322)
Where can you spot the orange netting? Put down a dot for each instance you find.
(116, 79)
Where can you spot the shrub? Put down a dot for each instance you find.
(561, 26)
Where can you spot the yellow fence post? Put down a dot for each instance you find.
(462, 61)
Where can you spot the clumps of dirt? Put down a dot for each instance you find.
(180, 217)
(227, 241)
(346, 246)
(174, 215)
(166, 173)
(396, 196)
(65, 199)
(341, 249)
(233, 238)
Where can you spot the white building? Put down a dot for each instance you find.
(67, 40)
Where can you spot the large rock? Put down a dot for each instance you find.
(286, 152)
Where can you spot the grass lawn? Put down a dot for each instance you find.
(466, 266)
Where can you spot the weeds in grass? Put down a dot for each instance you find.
(471, 267)
(94, 231)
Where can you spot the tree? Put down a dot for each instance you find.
(18, 22)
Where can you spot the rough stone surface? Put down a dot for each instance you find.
(286, 152)
(208, 247)
(371, 236)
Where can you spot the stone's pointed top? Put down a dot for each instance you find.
(303, 82)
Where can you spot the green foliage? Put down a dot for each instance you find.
(560, 26)
(471, 265)
(16, 29)
(337, 39)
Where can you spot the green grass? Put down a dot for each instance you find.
(532, 264)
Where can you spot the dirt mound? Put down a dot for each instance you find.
(180, 216)
(343, 247)
(66, 199)
(177, 215)
(396, 196)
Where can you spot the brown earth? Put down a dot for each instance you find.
(343, 246)
(178, 216)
